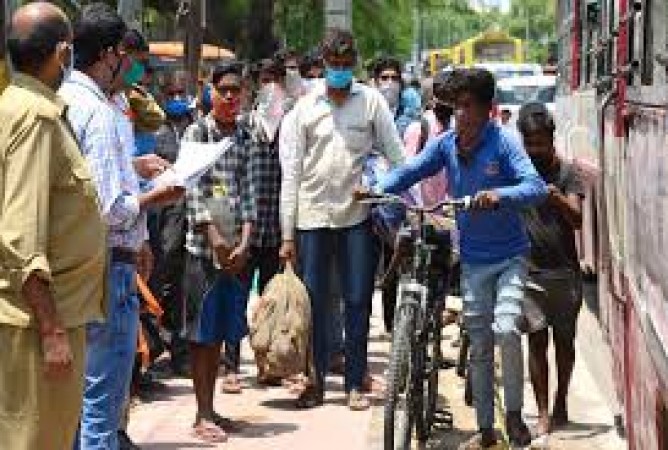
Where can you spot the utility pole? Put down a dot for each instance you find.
(339, 14)
(131, 12)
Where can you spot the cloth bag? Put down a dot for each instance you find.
(280, 331)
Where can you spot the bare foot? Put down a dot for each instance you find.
(543, 425)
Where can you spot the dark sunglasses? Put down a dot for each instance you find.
(232, 89)
(390, 77)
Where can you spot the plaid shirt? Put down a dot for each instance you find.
(267, 182)
(232, 174)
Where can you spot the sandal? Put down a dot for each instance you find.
(207, 431)
(231, 384)
(476, 442)
(310, 398)
(357, 401)
(518, 433)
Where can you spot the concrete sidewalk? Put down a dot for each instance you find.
(271, 422)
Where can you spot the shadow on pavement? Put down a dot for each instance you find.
(265, 430)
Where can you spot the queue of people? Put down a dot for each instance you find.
(81, 220)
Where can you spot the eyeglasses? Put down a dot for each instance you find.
(231, 89)
(390, 78)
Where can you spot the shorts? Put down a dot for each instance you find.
(215, 304)
(554, 301)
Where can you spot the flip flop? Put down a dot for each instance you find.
(208, 432)
(231, 387)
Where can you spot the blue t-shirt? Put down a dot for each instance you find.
(498, 163)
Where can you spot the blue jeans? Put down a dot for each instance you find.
(355, 256)
(492, 295)
(110, 355)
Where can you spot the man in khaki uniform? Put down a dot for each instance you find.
(52, 242)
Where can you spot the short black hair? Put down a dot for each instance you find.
(98, 28)
(312, 58)
(231, 67)
(29, 51)
(339, 42)
(135, 41)
(384, 63)
(534, 117)
(478, 82)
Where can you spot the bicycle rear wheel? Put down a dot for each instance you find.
(398, 412)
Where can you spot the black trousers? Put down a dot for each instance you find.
(167, 231)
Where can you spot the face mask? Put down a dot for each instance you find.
(338, 78)
(135, 74)
(391, 90)
(226, 110)
(293, 83)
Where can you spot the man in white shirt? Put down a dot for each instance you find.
(337, 125)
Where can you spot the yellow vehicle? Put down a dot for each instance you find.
(489, 47)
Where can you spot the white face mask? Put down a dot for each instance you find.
(391, 90)
(293, 83)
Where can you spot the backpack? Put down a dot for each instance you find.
(280, 331)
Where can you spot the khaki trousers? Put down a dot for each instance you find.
(37, 413)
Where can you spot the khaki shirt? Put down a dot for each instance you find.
(328, 146)
(49, 216)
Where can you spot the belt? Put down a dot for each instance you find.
(123, 255)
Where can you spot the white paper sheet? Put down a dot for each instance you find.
(193, 161)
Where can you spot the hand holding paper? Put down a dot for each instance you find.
(193, 161)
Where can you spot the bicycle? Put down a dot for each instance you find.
(416, 357)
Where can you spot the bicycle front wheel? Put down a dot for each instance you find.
(398, 413)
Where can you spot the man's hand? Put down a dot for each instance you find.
(150, 166)
(288, 252)
(57, 354)
(161, 195)
(236, 260)
(486, 200)
(553, 193)
(361, 193)
(145, 261)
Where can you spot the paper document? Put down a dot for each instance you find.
(193, 161)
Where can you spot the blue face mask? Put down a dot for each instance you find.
(338, 78)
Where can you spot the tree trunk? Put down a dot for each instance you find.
(193, 43)
(260, 25)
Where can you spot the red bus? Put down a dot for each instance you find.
(612, 119)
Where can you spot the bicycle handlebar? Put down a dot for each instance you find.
(463, 203)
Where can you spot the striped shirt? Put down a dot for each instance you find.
(95, 122)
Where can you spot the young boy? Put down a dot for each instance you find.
(555, 285)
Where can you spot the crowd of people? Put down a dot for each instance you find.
(83, 223)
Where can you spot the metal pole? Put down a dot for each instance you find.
(339, 14)
(131, 12)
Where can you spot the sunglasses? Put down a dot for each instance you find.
(232, 89)
(390, 78)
